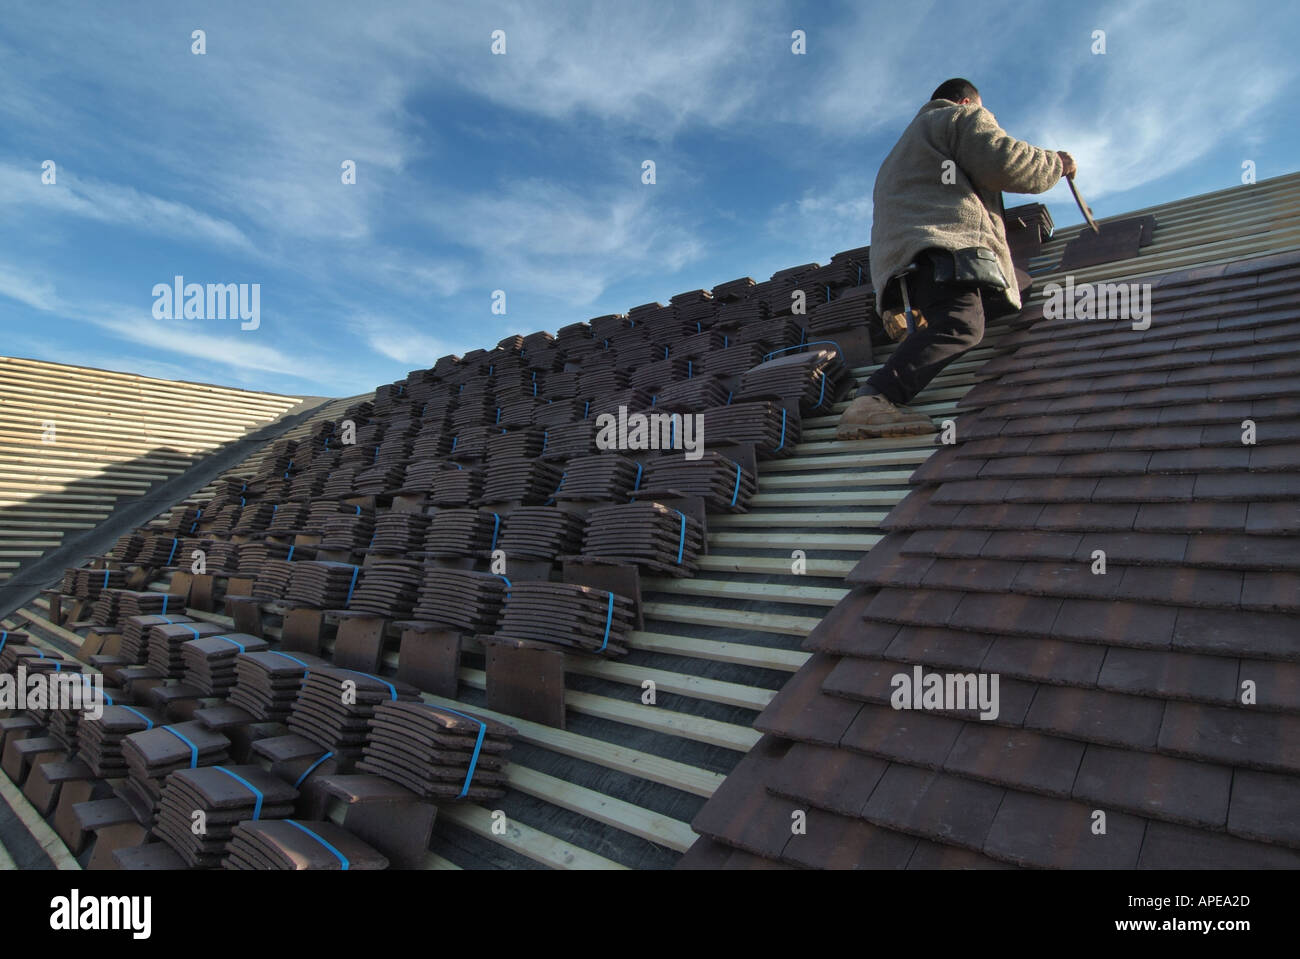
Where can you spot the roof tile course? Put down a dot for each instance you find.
(1163, 692)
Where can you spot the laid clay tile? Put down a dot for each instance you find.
(1237, 737)
(939, 647)
(1086, 516)
(1065, 579)
(1160, 787)
(1271, 591)
(835, 842)
(1198, 517)
(1037, 831)
(1011, 614)
(1045, 660)
(1096, 716)
(1170, 674)
(1020, 758)
(838, 780)
(929, 607)
(1115, 622)
(936, 805)
(1168, 846)
(1263, 807)
(904, 735)
(1180, 585)
(1229, 632)
(801, 711)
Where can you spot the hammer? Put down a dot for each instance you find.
(1083, 207)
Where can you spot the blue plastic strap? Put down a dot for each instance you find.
(546, 438)
(478, 746)
(343, 860)
(166, 598)
(172, 554)
(609, 619)
(779, 445)
(105, 586)
(681, 539)
(292, 547)
(233, 642)
(736, 491)
(801, 344)
(352, 585)
(311, 769)
(730, 393)
(654, 399)
(726, 341)
(586, 405)
(690, 369)
(822, 395)
(640, 467)
(192, 629)
(496, 528)
(294, 658)
(257, 806)
(147, 721)
(194, 750)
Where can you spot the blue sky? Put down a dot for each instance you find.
(522, 172)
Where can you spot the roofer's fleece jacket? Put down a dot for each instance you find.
(915, 208)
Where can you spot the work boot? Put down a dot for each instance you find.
(873, 415)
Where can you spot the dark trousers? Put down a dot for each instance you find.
(954, 324)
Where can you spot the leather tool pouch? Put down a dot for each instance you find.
(975, 267)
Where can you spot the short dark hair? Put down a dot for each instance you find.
(955, 90)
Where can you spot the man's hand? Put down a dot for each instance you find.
(1068, 166)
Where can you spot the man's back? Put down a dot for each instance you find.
(940, 186)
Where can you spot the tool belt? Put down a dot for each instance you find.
(974, 268)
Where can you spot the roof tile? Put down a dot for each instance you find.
(1097, 716)
(1160, 787)
(1021, 758)
(1038, 831)
(935, 805)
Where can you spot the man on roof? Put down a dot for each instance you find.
(939, 254)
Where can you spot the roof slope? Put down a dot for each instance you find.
(1128, 691)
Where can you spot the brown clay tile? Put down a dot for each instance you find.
(839, 780)
(1045, 660)
(1073, 442)
(1031, 545)
(837, 842)
(1177, 847)
(1003, 516)
(741, 812)
(1086, 516)
(933, 855)
(906, 735)
(935, 805)
(1144, 489)
(1115, 622)
(1127, 549)
(885, 565)
(1191, 517)
(1236, 632)
(916, 506)
(1020, 758)
(1272, 591)
(1109, 463)
(1055, 490)
(1180, 585)
(1264, 807)
(1066, 579)
(955, 543)
(1248, 487)
(1038, 831)
(979, 575)
(1096, 716)
(918, 607)
(801, 711)
(1170, 675)
(842, 630)
(939, 648)
(1277, 685)
(1158, 438)
(972, 492)
(1016, 466)
(1273, 518)
(1212, 412)
(1237, 737)
(1278, 456)
(1204, 460)
(1009, 615)
(1160, 787)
